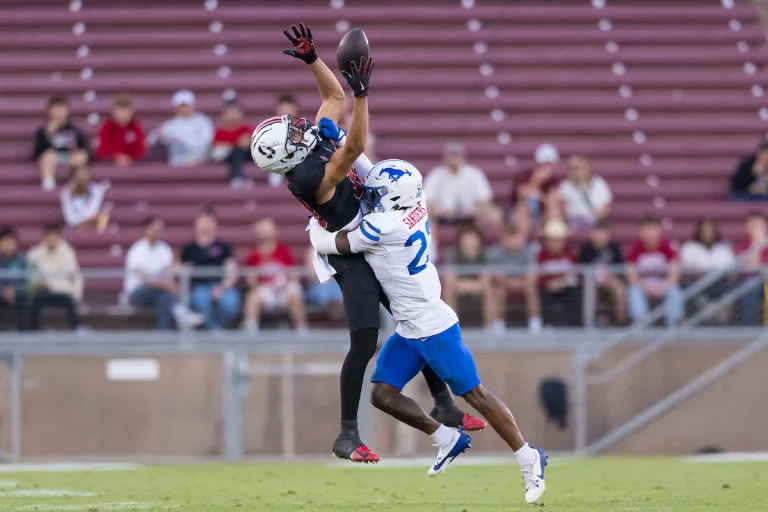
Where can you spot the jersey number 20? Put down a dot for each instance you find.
(418, 237)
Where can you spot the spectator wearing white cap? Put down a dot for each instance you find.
(459, 192)
(535, 194)
(557, 274)
(188, 135)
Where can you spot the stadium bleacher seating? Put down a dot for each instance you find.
(662, 96)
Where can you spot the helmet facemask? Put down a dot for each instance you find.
(373, 197)
(302, 135)
(278, 152)
(393, 185)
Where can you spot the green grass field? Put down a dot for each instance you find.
(575, 485)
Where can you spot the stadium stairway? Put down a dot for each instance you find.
(662, 96)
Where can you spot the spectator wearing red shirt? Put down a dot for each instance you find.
(231, 142)
(753, 255)
(653, 273)
(535, 192)
(557, 272)
(277, 286)
(121, 137)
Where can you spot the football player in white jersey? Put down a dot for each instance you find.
(395, 238)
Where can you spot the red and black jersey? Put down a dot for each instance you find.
(305, 178)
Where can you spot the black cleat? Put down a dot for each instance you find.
(349, 446)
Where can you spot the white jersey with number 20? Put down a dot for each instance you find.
(397, 246)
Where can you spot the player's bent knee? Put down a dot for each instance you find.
(363, 343)
(383, 396)
(477, 397)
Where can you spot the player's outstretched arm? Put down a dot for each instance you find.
(330, 91)
(326, 242)
(330, 88)
(342, 160)
(365, 238)
(331, 131)
(342, 242)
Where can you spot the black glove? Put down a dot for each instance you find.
(303, 47)
(358, 78)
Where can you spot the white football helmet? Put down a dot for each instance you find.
(393, 185)
(279, 144)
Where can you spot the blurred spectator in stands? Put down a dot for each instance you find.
(535, 194)
(188, 135)
(231, 142)
(277, 285)
(214, 296)
(460, 192)
(558, 277)
(706, 252)
(121, 138)
(513, 252)
(750, 179)
(753, 256)
(13, 265)
(286, 105)
(465, 281)
(149, 280)
(58, 141)
(654, 273)
(587, 198)
(82, 200)
(346, 114)
(56, 281)
(603, 253)
(325, 295)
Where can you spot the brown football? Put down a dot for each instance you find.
(352, 47)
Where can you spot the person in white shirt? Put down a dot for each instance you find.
(189, 135)
(395, 238)
(56, 281)
(149, 280)
(587, 198)
(82, 200)
(460, 192)
(706, 252)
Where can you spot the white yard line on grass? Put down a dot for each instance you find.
(718, 458)
(70, 467)
(118, 505)
(42, 493)
(414, 462)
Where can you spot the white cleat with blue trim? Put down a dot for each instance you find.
(533, 474)
(446, 454)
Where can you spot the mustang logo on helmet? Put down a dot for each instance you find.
(392, 185)
(394, 174)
